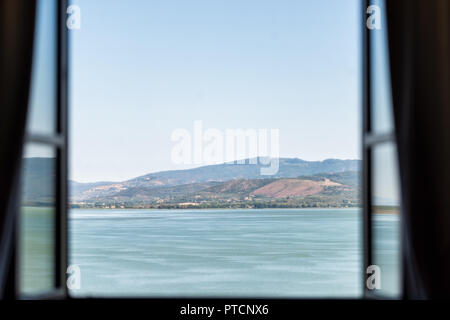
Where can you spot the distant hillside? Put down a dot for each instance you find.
(288, 168)
(298, 183)
(322, 190)
(284, 188)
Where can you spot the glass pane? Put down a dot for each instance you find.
(42, 117)
(386, 218)
(37, 221)
(381, 117)
(198, 227)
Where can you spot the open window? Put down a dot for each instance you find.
(403, 249)
(41, 251)
(381, 187)
(42, 235)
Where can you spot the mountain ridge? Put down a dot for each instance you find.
(215, 172)
(214, 183)
(331, 182)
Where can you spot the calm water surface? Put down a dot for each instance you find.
(268, 252)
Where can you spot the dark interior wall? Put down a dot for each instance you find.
(419, 40)
(16, 49)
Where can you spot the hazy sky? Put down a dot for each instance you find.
(141, 69)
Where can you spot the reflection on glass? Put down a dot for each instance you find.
(381, 117)
(386, 218)
(42, 117)
(37, 220)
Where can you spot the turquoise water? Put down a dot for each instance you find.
(36, 248)
(386, 253)
(248, 253)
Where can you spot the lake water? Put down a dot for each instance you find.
(249, 253)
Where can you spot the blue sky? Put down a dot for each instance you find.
(140, 69)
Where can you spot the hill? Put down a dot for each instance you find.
(298, 182)
(307, 191)
(288, 168)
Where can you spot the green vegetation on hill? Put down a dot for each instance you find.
(305, 192)
(298, 184)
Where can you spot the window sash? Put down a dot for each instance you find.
(370, 139)
(57, 140)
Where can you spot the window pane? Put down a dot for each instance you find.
(37, 221)
(42, 117)
(386, 218)
(381, 117)
(228, 66)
